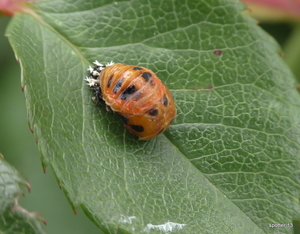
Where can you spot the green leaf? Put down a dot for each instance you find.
(14, 218)
(229, 163)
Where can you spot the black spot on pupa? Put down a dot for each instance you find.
(137, 68)
(123, 118)
(127, 92)
(137, 128)
(109, 81)
(153, 112)
(165, 101)
(118, 85)
(146, 76)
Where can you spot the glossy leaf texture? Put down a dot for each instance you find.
(13, 217)
(229, 163)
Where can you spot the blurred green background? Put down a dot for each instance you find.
(18, 146)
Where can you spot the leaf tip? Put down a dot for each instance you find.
(28, 187)
(19, 209)
(44, 169)
(43, 220)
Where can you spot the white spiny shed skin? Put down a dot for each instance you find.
(92, 82)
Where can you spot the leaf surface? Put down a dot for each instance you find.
(229, 163)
